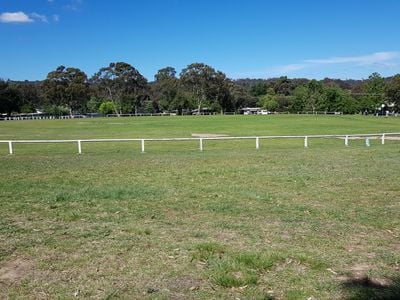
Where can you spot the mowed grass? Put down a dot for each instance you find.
(239, 125)
(230, 222)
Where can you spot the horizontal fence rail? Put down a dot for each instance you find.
(306, 138)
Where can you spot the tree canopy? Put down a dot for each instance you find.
(120, 88)
(121, 84)
(67, 87)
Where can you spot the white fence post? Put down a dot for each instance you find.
(142, 144)
(383, 139)
(306, 142)
(257, 143)
(10, 148)
(79, 147)
(201, 144)
(346, 140)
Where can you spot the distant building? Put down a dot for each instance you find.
(203, 111)
(250, 110)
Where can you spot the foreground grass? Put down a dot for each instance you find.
(283, 222)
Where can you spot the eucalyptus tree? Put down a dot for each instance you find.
(240, 96)
(220, 92)
(67, 87)
(309, 97)
(122, 84)
(10, 98)
(30, 96)
(198, 78)
(392, 91)
(207, 86)
(338, 100)
(269, 100)
(373, 94)
(165, 88)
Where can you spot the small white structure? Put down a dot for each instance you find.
(264, 112)
(251, 110)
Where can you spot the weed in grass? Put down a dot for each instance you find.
(258, 261)
(227, 273)
(4, 254)
(147, 231)
(199, 235)
(72, 216)
(63, 197)
(235, 269)
(311, 261)
(95, 233)
(204, 251)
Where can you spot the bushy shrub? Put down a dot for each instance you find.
(107, 108)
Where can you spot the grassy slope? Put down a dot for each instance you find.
(229, 222)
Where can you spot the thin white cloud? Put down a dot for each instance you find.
(74, 5)
(377, 59)
(39, 17)
(21, 17)
(56, 18)
(370, 59)
(288, 68)
(15, 17)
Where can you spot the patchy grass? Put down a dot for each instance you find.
(283, 222)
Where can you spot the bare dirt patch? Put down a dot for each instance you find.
(179, 287)
(15, 270)
(396, 247)
(360, 270)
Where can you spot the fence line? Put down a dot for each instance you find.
(201, 140)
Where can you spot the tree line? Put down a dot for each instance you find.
(119, 88)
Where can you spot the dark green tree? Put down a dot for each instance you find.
(198, 79)
(373, 94)
(240, 97)
(67, 87)
(123, 85)
(269, 100)
(316, 95)
(165, 88)
(284, 86)
(300, 97)
(220, 92)
(338, 100)
(182, 101)
(10, 98)
(259, 89)
(392, 92)
(93, 104)
(30, 96)
(308, 97)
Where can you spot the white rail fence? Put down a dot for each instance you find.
(381, 136)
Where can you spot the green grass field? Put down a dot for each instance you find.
(281, 222)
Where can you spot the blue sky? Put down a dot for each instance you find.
(253, 38)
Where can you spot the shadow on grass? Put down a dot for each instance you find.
(363, 288)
